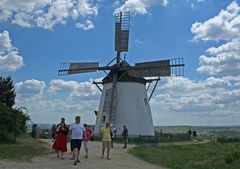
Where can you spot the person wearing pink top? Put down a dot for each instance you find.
(87, 135)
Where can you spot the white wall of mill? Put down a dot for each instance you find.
(133, 109)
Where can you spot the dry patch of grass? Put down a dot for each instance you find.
(24, 150)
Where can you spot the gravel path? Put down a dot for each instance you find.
(120, 159)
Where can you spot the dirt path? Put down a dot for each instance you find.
(120, 159)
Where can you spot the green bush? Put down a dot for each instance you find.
(12, 120)
(8, 127)
(232, 155)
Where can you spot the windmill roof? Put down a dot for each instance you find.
(124, 76)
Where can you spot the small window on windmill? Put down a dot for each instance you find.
(104, 118)
(145, 101)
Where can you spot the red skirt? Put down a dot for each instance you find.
(60, 143)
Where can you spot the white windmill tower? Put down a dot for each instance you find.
(124, 99)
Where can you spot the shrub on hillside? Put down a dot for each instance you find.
(12, 121)
(232, 155)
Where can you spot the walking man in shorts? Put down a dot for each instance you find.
(76, 134)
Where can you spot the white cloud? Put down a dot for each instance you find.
(29, 88)
(85, 26)
(140, 6)
(5, 42)
(216, 82)
(224, 26)
(181, 101)
(228, 98)
(184, 95)
(46, 13)
(224, 59)
(173, 97)
(59, 85)
(116, 4)
(48, 110)
(232, 78)
(237, 84)
(215, 97)
(10, 60)
(76, 89)
(62, 99)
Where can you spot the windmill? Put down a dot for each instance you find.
(124, 99)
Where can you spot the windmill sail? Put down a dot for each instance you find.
(150, 69)
(75, 68)
(171, 67)
(122, 25)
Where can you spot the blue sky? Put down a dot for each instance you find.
(37, 35)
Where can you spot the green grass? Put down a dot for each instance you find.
(200, 156)
(25, 149)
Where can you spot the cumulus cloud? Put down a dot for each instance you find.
(76, 89)
(224, 59)
(216, 82)
(213, 97)
(10, 60)
(237, 84)
(85, 26)
(46, 13)
(184, 95)
(224, 26)
(48, 110)
(29, 88)
(181, 101)
(62, 99)
(140, 6)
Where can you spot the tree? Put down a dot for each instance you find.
(7, 91)
(12, 121)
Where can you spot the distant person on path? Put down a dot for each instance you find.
(190, 133)
(113, 134)
(60, 144)
(35, 131)
(125, 136)
(194, 134)
(53, 129)
(87, 135)
(76, 135)
(106, 139)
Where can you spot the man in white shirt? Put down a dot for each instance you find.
(76, 134)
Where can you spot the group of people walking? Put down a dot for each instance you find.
(78, 134)
(192, 134)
